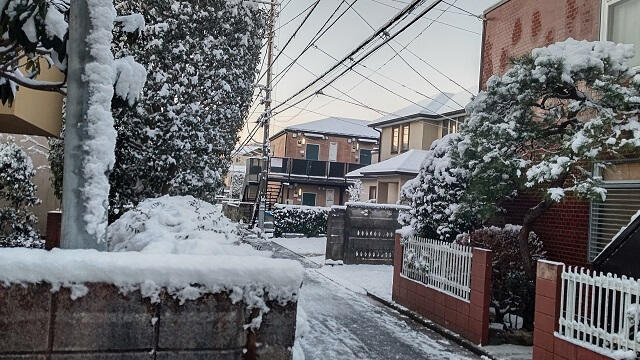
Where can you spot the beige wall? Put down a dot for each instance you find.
(290, 193)
(388, 188)
(421, 134)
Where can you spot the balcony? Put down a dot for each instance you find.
(288, 168)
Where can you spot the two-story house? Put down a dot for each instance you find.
(309, 161)
(406, 135)
(574, 231)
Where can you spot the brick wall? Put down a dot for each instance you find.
(291, 193)
(518, 26)
(545, 344)
(36, 323)
(285, 145)
(467, 318)
(564, 228)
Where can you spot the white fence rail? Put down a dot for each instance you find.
(440, 265)
(600, 312)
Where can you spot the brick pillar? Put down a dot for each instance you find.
(480, 296)
(397, 267)
(548, 285)
(54, 227)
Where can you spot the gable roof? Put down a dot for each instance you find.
(335, 126)
(620, 255)
(407, 163)
(442, 104)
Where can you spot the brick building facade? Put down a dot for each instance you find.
(515, 27)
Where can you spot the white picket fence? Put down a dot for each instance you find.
(440, 265)
(600, 312)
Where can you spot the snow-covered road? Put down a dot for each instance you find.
(336, 322)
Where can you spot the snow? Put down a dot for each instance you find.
(577, 56)
(177, 225)
(436, 105)
(374, 279)
(406, 163)
(337, 126)
(376, 206)
(130, 79)
(101, 136)
(131, 23)
(302, 207)
(510, 351)
(55, 24)
(186, 277)
(307, 247)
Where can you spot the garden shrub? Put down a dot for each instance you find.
(308, 220)
(513, 292)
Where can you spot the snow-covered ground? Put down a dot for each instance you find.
(375, 279)
(510, 352)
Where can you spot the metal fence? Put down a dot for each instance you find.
(443, 266)
(600, 312)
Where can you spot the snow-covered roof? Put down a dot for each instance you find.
(406, 163)
(337, 126)
(443, 103)
(249, 149)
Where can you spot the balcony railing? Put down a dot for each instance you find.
(310, 168)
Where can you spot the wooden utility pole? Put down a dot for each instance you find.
(74, 230)
(266, 117)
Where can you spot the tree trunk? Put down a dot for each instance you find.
(164, 190)
(529, 219)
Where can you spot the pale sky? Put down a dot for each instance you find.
(453, 49)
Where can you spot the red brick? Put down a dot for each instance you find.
(545, 322)
(476, 312)
(543, 339)
(546, 305)
(585, 354)
(546, 287)
(541, 354)
(564, 349)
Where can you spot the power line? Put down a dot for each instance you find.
(375, 35)
(315, 5)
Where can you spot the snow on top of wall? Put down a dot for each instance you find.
(338, 126)
(408, 162)
(441, 103)
(301, 207)
(186, 277)
(369, 205)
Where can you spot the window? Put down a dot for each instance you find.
(622, 182)
(365, 157)
(449, 126)
(619, 23)
(312, 152)
(372, 193)
(395, 139)
(405, 137)
(309, 199)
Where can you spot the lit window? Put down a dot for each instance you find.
(395, 139)
(620, 24)
(405, 137)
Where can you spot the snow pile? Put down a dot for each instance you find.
(253, 280)
(177, 225)
(130, 79)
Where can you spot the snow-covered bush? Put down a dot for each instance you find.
(513, 292)
(176, 225)
(237, 184)
(202, 58)
(355, 191)
(17, 196)
(436, 197)
(298, 219)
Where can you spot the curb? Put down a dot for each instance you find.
(448, 334)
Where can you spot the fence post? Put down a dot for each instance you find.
(54, 230)
(547, 313)
(397, 266)
(480, 296)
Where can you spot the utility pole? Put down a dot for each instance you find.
(266, 117)
(74, 231)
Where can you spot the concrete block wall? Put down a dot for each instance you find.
(546, 346)
(107, 324)
(467, 318)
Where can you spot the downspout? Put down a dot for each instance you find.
(484, 35)
(379, 142)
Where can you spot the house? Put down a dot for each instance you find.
(309, 161)
(406, 134)
(239, 162)
(575, 231)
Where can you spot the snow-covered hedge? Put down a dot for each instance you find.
(308, 220)
(177, 225)
(512, 292)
